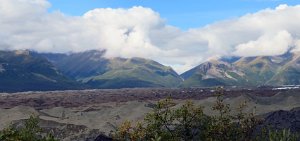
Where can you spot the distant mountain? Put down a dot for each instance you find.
(23, 71)
(288, 73)
(79, 65)
(93, 69)
(213, 73)
(246, 71)
(259, 70)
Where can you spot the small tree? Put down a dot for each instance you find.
(29, 132)
(228, 126)
(165, 123)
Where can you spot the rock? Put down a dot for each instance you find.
(103, 138)
(284, 120)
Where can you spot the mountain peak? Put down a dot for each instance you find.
(22, 52)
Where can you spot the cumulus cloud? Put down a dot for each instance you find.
(12, 11)
(296, 46)
(141, 32)
(272, 44)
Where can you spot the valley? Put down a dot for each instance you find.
(84, 114)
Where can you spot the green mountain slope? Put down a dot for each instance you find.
(288, 73)
(258, 70)
(80, 65)
(93, 69)
(22, 71)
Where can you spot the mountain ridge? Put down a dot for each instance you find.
(24, 70)
(92, 68)
(249, 71)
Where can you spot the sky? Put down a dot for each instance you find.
(176, 33)
(181, 13)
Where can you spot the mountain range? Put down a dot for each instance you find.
(246, 71)
(24, 70)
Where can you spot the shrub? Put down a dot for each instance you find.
(278, 135)
(29, 132)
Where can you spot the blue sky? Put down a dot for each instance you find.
(181, 13)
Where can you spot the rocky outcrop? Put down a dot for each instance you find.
(284, 120)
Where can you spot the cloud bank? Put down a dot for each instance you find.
(141, 32)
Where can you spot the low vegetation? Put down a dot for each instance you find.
(30, 131)
(188, 123)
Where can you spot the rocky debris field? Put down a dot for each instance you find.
(77, 98)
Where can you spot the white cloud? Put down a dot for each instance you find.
(297, 46)
(141, 32)
(227, 37)
(282, 7)
(18, 10)
(272, 44)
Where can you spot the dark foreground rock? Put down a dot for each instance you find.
(284, 120)
(103, 138)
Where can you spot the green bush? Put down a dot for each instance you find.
(283, 135)
(29, 132)
(278, 135)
